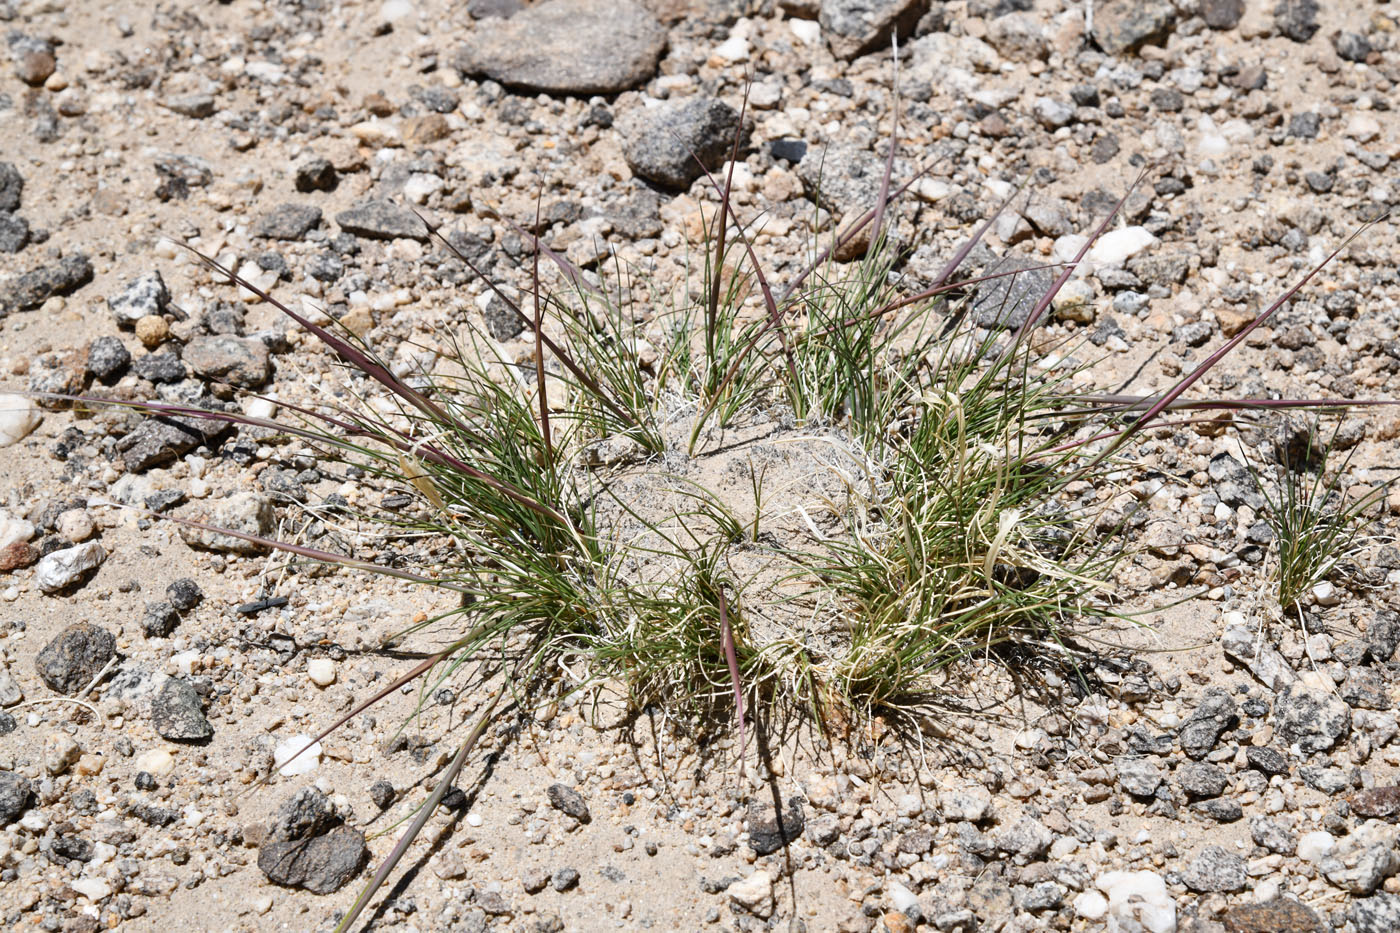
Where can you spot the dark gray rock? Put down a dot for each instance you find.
(178, 713)
(1383, 635)
(1222, 14)
(1313, 718)
(16, 794)
(564, 879)
(569, 801)
(315, 174)
(382, 793)
(288, 222)
(308, 813)
(1027, 839)
(197, 106)
(382, 220)
(858, 27)
(159, 620)
(37, 286)
(843, 179)
(70, 662)
(1213, 715)
(238, 361)
(1351, 46)
(1305, 125)
(567, 47)
(322, 864)
(1201, 779)
(160, 440)
(663, 143)
(33, 58)
(1272, 835)
(637, 216)
(1123, 25)
(1007, 302)
(144, 295)
(107, 358)
(1365, 689)
(501, 321)
(1325, 780)
(160, 368)
(1215, 870)
(11, 187)
(1296, 19)
(1379, 914)
(184, 594)
(1138, 776)
(1220, 809)
(179, 173)
(770, 828)
(14, 232)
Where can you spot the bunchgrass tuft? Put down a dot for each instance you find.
(817, 496)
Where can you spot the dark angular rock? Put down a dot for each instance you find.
(1296, 19)
(160, 440)
(1215, 870)
(501, 321)
(11, 186)
(1222, 14)
(1325, 780)
(178, 713)
(770, 829)
(1281, 915)
(858, 27)
(1201, 779)
(16, 794)
(1313, 718)
(1365, 689)
(1351, 46)
(238, 361)
(1123, 25)
(184, 594)
(70, 662)
(1269, 761)
(315, 174)
(382, 220)
(165, 499)
(160, 368)
(322, 864)
(636, 217)
(107, 358)
(1007, 302)
(1272, 835)
(71, 847)
(144, 295)
(37, 286)
(382, 793)
(159, 620)
(1383, 635)
(1213, 715)
(663, 143)
(577, 47)
(288, 222)
(14, 233)
(1220, 809)
(569, 801)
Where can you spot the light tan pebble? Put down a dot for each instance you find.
(152, 330)
(156, 761)
(76, 525)
(60, 751)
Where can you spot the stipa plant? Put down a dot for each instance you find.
(913, 484)
(1316, 526)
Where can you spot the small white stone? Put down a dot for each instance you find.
(265, 71)
(474, 819)
(422, 185)
(184, 662)
(94, 889)
(157, 762)
(394, 10)
(63, 568)
(14, 529)
(1091, 905)
(262, 905)
(733, 49)
(1316, 846)
(1326, 594)
(321, 671)
(807, 31)
(754, 894)
(75, 525)
(1118, 246)
(1362, 127)
(305, 763)
(60, 752)
(18, 416)
(901, 898)
(377, 133)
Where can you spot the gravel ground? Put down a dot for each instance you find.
(1223, 770)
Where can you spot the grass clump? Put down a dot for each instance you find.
(817, 497)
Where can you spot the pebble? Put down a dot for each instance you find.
(569, 801)
(321, 671)
(19, 416)
(71, 660)
(143, 296)
(576, 47)
(16, 793)
(1310, 714)
(250, 513)
(61, 751)
(177, 713)
(288, 222)
(242, 362)
(672, 143)
(304, 763)
(1137, 898)
(382, 220)
(156, 761)
(61, 569)
(754, 894)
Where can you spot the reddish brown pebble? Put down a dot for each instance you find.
(1277, 916)
(17, 555)
(1380, 803)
